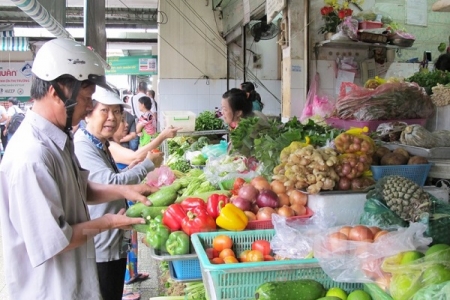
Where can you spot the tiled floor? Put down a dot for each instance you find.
(148, 288)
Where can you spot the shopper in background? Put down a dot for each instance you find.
(46, 227)
(151, 94)
(3, 119)
(146, 126)
(142, 92)
(255, 98)
(92, 150)
(12, 110)
(443, 62)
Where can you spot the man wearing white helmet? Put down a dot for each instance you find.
(47, 232)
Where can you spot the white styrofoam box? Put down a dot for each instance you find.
(347, 208)
(180, 118)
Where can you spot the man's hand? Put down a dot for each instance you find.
(121, 221)
(138, 192)
(156, 157)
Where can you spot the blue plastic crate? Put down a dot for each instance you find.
(417, 173)
(239, 281)
(186, 269)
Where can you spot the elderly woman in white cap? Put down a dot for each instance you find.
(91, 148)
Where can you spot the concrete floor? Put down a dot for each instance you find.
(148, 288)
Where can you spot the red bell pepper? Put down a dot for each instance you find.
(191, 203)
(215, 203)
(173, 216)
(238, 183)
(198, 220)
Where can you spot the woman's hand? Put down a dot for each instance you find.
(138, 192)
(156, 157)
(170, 132)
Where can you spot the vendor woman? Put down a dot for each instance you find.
(236, 105)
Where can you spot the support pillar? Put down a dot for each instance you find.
(94, 26)
(295, 60)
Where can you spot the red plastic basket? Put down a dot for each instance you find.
(267, 224)
(369, 25)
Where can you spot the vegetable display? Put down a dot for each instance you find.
(232, 218)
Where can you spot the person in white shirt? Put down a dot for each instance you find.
(142, 91)
(12, 110)
(3, 119)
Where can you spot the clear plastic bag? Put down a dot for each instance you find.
(228, 167)
(434, 292)
(408, 279)
(160, 177)
(359, 261)
(316, 105)
(294, 239)
(349, 28)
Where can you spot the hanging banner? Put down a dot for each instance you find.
(15, 80)
(133, 65)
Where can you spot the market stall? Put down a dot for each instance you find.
(301, 208)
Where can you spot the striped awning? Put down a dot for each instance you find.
(14, 44)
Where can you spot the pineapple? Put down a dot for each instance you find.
(404, 197)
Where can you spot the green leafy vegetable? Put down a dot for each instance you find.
(430, 79)
(207, 120)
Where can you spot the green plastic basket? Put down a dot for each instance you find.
(239, 281)
(376, 292)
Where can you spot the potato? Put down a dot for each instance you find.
(417, 160)
(382, 151)
(393, 159)
(402, 152)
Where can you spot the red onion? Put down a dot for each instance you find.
(242, 203)
(248, 192)
(267, 198)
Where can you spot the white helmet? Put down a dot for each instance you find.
(108, 97)
(60, 57)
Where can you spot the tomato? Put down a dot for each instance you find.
(211, 253)
(217, 261)
(268, 258)
(255, 255)
(261, 245)
(225, 253)
(230, 260)
(243, 256)
(221, 242)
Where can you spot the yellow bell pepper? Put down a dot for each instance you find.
(232, 218)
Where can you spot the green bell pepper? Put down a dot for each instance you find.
(178, 243)
(157, 236)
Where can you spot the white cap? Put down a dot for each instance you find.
(107, 97)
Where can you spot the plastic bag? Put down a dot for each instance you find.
(408, 279)
(389, 101)
(160, 177)
(349, 27)
(294, 239)
(359, 261)
(215, 150)
(316, 105)
(376, 213)
(228, 167)
(434, 292)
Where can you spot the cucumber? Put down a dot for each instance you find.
(151, 212)
(142, 228)
(329, 298)
(163, 197)
(135, 211)
(303, 289)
